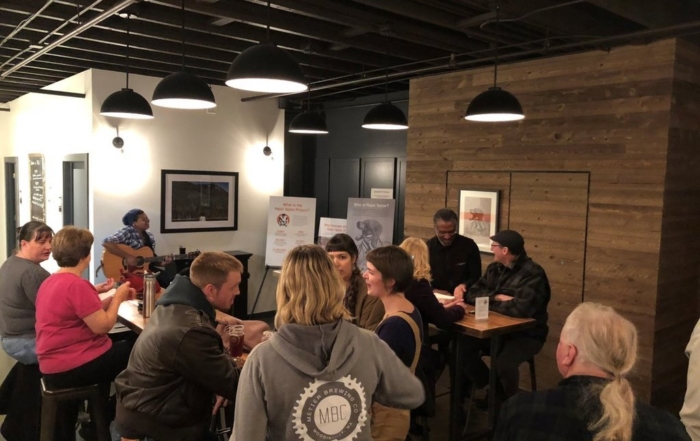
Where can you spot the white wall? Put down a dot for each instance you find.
(230, 139)
(4, 146)
(54, 126)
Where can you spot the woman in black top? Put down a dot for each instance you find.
(420, 293)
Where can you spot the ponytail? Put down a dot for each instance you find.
(609, 341)
(617, 415)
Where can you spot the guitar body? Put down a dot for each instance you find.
(112, 264)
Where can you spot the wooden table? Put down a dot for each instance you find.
(496, 326)
(130, 316)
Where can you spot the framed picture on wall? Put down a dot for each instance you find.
(478, 216)
(198, 201)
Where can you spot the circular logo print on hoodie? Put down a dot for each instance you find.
(330, 410)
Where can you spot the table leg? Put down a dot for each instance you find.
(493, 378)
(456, 385)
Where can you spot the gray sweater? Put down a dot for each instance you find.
(20, 280)
(315, 383)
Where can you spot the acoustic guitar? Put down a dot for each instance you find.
(112, 264)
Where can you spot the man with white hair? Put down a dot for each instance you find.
(595, 401)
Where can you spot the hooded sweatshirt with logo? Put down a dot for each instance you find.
(317, 383)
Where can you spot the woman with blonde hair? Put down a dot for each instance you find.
(366, 311)
(420, 293)
(595, 401)
(318, 374)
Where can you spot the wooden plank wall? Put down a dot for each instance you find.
(679, 262)
(605, 114)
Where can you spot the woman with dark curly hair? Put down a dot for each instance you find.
(367, 311)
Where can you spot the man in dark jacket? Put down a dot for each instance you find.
(455, 261)
(518, 287)
(178, 363)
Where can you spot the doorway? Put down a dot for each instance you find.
(11, 204)
(75, 191)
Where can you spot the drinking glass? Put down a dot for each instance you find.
(235, 345)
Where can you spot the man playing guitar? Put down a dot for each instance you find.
(135, 234)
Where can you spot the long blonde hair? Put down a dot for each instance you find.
(418, 250)
(310, 290)
(609, 341)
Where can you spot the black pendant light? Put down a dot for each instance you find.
(183, 90)
(495, 104)
(266, 68)
(385, 116)
(309, 122)
(126, 103)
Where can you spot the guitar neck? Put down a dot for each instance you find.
(162, 258)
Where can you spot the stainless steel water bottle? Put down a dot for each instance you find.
(149, 294)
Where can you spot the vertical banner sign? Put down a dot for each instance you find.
(329, 227)
(290, 222)
(370, 224)
(37, 187)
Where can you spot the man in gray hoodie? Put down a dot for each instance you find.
(316, 378)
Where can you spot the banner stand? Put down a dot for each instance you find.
(257, 296)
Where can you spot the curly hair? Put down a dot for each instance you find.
(418, 250)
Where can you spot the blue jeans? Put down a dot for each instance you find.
(21, 349)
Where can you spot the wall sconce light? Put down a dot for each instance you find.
(267, 151)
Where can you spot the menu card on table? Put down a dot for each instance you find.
(482, 308)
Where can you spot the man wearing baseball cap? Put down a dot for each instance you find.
(518, 287)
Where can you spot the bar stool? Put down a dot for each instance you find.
(49, 406)
(533, 387)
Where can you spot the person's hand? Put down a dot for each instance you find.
(131, 260)
(124, 292)
(225, 319)
(458, 302)
(220, 401)
(460, 290)
(502, 298)
(105, 286)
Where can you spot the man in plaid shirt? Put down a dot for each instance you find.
(518, 287)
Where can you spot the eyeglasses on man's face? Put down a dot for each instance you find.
(496, 245)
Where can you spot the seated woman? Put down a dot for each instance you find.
(595, 401)
(420, 293)
(389, 273)
(318, 374)
(135, 234)
(367, 311)
(20, 279)
(72, 323)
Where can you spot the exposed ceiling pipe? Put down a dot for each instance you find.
(25, 22)
(450, 64)
(41, 91)
(87, 25)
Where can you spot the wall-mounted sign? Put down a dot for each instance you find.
(37, 187)
(382, 193)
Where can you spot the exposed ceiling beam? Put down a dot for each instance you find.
(653, 14)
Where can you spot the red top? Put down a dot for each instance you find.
(63, 340)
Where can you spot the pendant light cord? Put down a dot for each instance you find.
(386, 79)
(183, 34)
(308, 100)
(495, 57)
(267, 34)
(128, 21)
